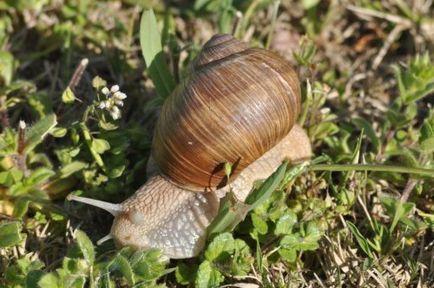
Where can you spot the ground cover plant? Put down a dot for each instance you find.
(81, 83)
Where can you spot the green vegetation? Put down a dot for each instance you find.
(81, 83)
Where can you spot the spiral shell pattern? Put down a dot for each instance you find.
(238, 103)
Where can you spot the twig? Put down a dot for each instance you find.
(21, 156)
(411, 183)
(78, 73)
(21, 137)
(372, 13)
(4, 119)
(393, 35)
(75, 79)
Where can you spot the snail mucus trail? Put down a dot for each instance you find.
(239, 106)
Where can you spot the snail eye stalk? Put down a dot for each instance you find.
(114, 209)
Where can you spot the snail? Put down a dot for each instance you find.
(238, 105)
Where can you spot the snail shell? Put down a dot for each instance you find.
(237, 104)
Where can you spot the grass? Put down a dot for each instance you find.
(360, 213)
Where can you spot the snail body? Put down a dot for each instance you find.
(238, 106)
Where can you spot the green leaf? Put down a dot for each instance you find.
(221, 244)
(260, 225)
(10, 177)
(305, 54)
(39, 176)
(49, 280)
(257, 197)
(306, 240)
(21, 207)
(150, 41)
(397, 209)
(88, 139)
(366, 126)
(108, 126)
(427, 145)
(361, 240)
(417, 81)
(288, 248)
(242, 259)
(58, 132)
(6, 67)
(7, 142)
(228, 169)
(38, 131)
(285, 223)
(231, 212)
(115, 172)
(199, 4)
(15, 274)
(428, 218)
(148, 264)
(68, 96)
(207, 276)
(98, 82)
(33, 277)
(427, 129)
(125, 268)
(185, 274)
(311, 237)
(309, 4)
(72, 168)
(100, 145)
(293, 173)
(10, 234)
(86, 246)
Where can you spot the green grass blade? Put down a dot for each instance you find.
(258, 196)
(361, 240)
(373, 168)
(37, 132)
(150, 41)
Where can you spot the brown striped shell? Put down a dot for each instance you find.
(237, 104)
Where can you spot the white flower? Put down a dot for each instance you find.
(115, 113)
(105, 91)
(119, 95)
(119, 103)
(113, 101)
(114, 89)
(109, 103)
(22, 125)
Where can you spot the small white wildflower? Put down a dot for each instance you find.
(115, 113)
(119, 95)
(114, 89)
(325, 110)
(105, 91)
(119, 103)
(22, 125)
(113, 101)
(109, 103)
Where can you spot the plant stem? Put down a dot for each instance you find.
(276, 5)
(4, 119)
(371, 167)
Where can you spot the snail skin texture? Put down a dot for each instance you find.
(239, 106)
